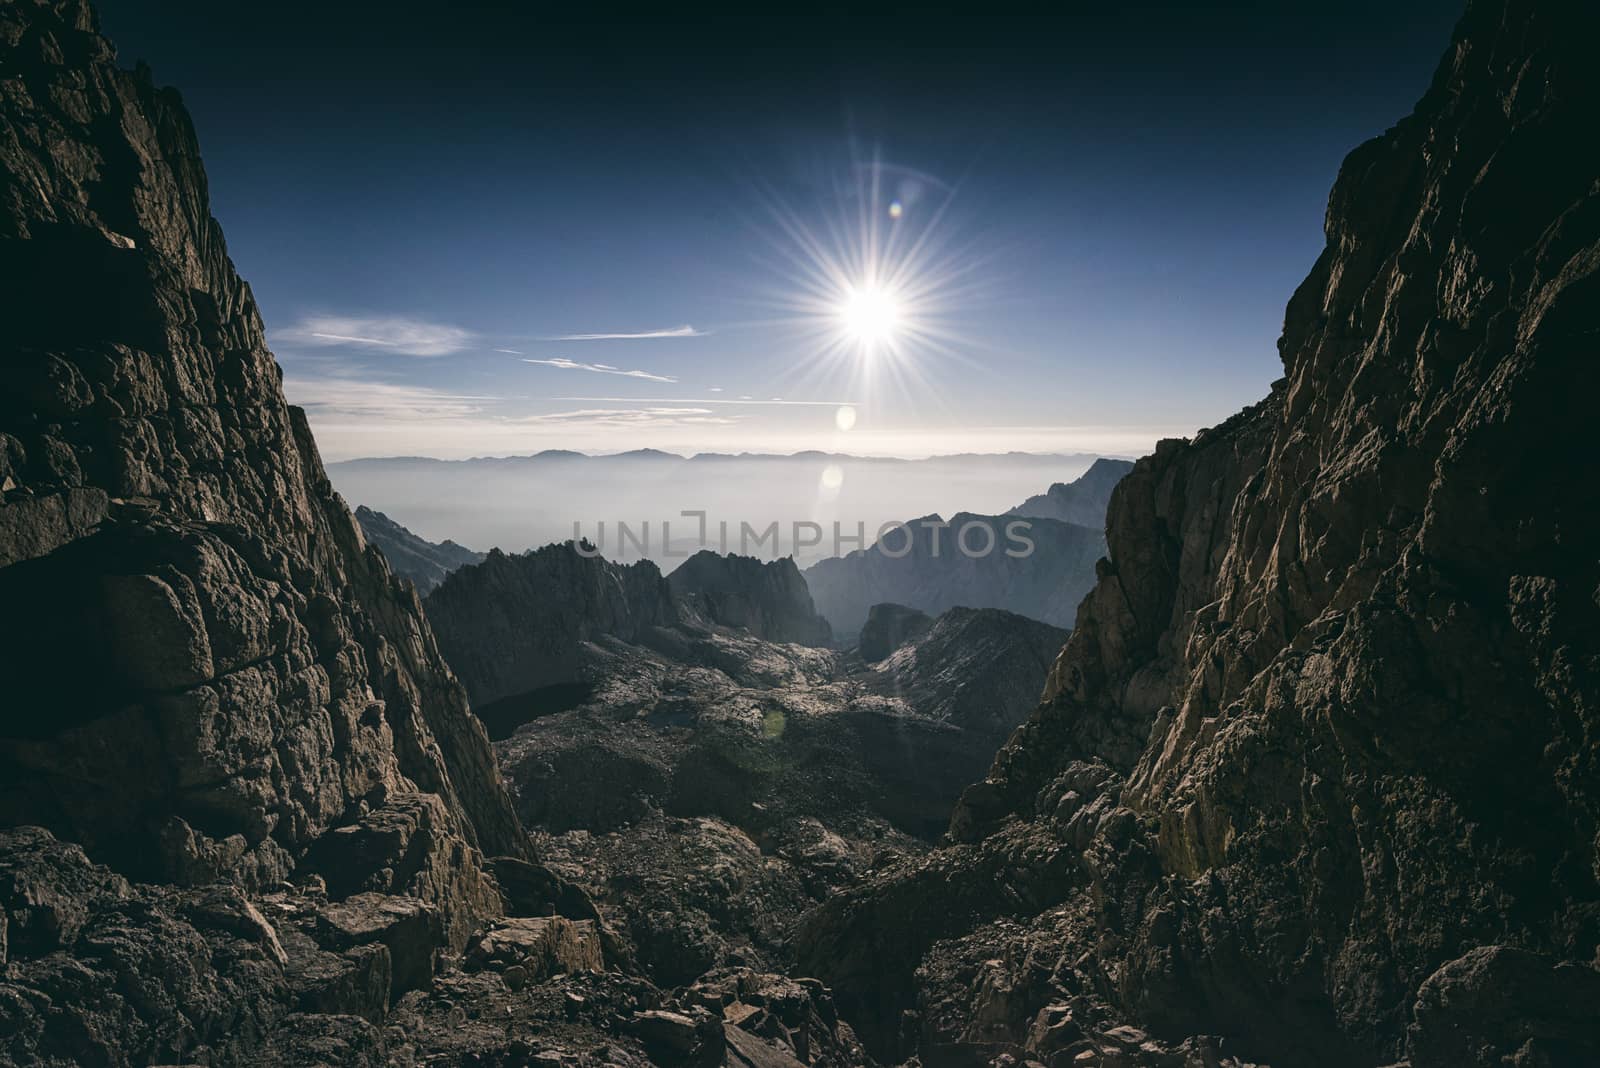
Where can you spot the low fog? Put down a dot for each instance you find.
(518, 503)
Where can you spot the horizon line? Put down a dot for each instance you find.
(704, 454)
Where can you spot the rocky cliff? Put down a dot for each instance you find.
(1083, 500)
(210, 677)
(770, 600)
(1039, 568)
(1314, 780)
(424, 562)
(213, 671)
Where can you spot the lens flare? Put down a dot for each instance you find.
(874, 284)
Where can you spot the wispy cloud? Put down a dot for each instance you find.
(636, 417)
(674, 331)
(741, 402)
(408, 337)
(598, 368)
(365, 399)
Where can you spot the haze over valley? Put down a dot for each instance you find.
(521, 503)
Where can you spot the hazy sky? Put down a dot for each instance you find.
(477, 232)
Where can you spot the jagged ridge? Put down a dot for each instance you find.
(1316, 770)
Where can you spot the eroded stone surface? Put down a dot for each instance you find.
(1327, 722)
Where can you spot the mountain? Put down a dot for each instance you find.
(525, 632)
(214, 687)
(516, 624)
(1313, 781)
(1038, 568)
(770, 600)
(1082, 501)
(888, 627)
(423, 562)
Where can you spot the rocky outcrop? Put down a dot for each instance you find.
(214, 685)
(974, 668)
(759, 734)
(770, 600)
(1038, 568)
(1082, 501)
(513, 625)
(1316, 771)
(424, 562)
(888, 627)
(212, 671)
(704, 805)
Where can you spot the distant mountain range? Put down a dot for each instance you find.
(517, 503)
(1064, 526)
(424, 562)
(558, 455)
(935, 575)
(1082, 501)
(1063, 532)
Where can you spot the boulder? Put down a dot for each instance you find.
(540, 946)
(411, 929)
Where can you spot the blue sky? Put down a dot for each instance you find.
(1089, 225)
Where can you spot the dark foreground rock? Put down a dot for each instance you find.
(1316, 773)
(207, 669)
(706, 794)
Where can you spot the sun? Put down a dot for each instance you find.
(869, 314)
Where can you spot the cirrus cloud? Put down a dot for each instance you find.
(635, 418)
(643, 335)
(598, 368)
(399, 335)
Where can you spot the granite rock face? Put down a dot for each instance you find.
(1316, 773)
(1082, 501)
(215, 671)
(211, 678)
(424, 562)
(770, 600)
